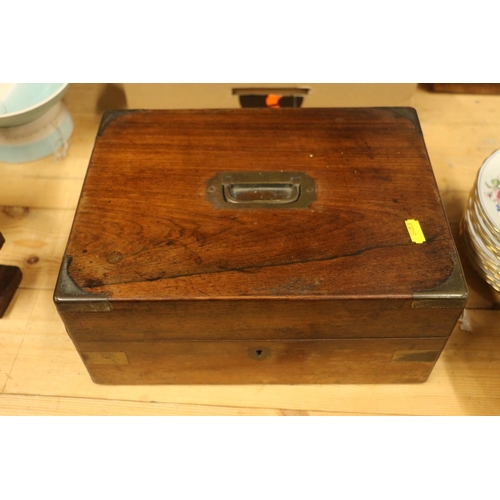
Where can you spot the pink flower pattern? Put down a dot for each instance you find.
(494, 192)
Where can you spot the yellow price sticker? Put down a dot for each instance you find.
(415, 231)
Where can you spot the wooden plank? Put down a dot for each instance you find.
(9, 347)
(460, 133)
(13, 327)
(21, 191)
(33, 405)
(35, 242)
(47, 405)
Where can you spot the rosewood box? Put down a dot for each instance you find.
(250, 246)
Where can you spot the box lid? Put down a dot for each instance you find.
(259, 203)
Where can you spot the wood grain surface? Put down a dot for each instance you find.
(144, 227)
(41, 372)
(166, 261)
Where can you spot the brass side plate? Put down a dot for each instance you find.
(104, 358)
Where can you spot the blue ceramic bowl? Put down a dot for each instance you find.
(22, 103)
(34, 123)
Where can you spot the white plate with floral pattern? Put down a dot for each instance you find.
(489, 188)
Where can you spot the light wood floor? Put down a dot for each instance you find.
(42, 374)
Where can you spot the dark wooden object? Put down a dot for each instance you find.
(466, 88)
(161, 284)
(10, 278)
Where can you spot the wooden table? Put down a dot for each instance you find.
(42, 374)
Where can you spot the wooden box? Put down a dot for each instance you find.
(260, 246)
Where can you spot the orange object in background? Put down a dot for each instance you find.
(272, 101)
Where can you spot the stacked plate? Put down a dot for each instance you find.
(480, 225)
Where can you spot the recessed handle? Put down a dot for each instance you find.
(262, 193)
(236, 190)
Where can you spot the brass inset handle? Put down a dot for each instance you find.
(261, 193)
(256, 189)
